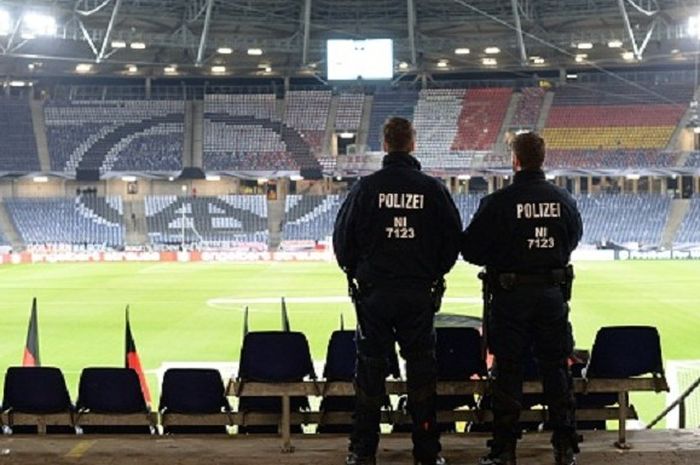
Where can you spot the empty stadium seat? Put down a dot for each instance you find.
(191, 395)
(624, 352)
(18, 150)
(34, 396)
(276, 357)
(110, 401)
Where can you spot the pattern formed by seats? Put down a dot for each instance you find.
(307, 112)
(18, 150)
(349, 113)
(435, 121)
(258, 105)
(115, 135)
(467, 205)
(689, 230)
(310, 217)
(615, 116)
(389, 103)
(624, 218)
(481, 118)
(85, 220)
(223, 221)
(527, 111)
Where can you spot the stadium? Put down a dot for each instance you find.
(185, 160)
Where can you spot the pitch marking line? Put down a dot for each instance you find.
(80, 449)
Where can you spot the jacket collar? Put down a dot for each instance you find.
(528, 175)
(400, 159)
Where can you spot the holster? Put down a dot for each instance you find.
(437, 292)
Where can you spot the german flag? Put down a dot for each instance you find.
(31, 348)
(132, 360)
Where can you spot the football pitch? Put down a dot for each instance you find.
(190, 312)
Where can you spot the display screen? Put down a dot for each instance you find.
(366, 59)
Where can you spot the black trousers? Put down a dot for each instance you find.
(386, 316)
(537, 317)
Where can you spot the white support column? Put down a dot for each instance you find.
(108, 33)
(307, 32)
(411, 17)
(205, 33)
(519, 33)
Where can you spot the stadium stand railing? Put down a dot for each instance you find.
(108, 136)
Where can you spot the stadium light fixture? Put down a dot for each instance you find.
(489, 61)
(137, 45)
(5, 23)
(255, 51)
(37, 24)
(462, 51)
(403, 65)
(118, 44)
(492, 50)
(696, 130)
(31, 66)
(537, 60)
(262, 181)
(83, 68)
(694, 26)
(442, 64)
(171, 178)
(572, 76)
(212, 177)
(18, 83)
(40, 179)
(584, 45)
(129, 178)
(579, 58)
(632, 177)
(628, 56)
(296, 177)
(338, 178)
(224, 50)
(675, 51)
(463, 177)
(615, 43)
(218, 69)
(172, 69)
(550, 177)
(133, 69)
(268, 69)
(346, 135)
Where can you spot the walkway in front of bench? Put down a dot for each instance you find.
(649, 448)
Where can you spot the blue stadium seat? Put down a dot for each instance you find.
(112, 392)
(624, 352)
(193, 391)
(37, 391)
(341, 357)
(273, 356)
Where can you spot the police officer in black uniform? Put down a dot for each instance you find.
(524, 234)
(396, 236)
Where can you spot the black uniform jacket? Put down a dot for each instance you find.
(531, 226)
(397, 225)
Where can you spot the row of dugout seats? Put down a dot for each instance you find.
(110, 400)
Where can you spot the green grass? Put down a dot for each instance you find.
(81, 308)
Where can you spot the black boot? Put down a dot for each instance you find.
(439, 460)
(565, 448)
(502, 453)
(354, 459)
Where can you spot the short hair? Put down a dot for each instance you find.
(529, 149)
(398, 134)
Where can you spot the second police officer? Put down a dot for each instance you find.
(524, 235)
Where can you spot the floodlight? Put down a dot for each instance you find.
(224, 50)
(218, 69)
(37, 24)
(118, 44)
(584, 46)
(255, 51)
(83, 68)
(628, 56)
(489, 61)
(5, 23)
(137, 45)
(462, 51)
(615, 43)
(492, 50)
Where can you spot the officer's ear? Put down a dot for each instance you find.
(515, 161)
(385, 147)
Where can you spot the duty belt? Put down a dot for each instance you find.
(508, 281)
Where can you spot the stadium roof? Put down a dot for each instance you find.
(143, 37)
